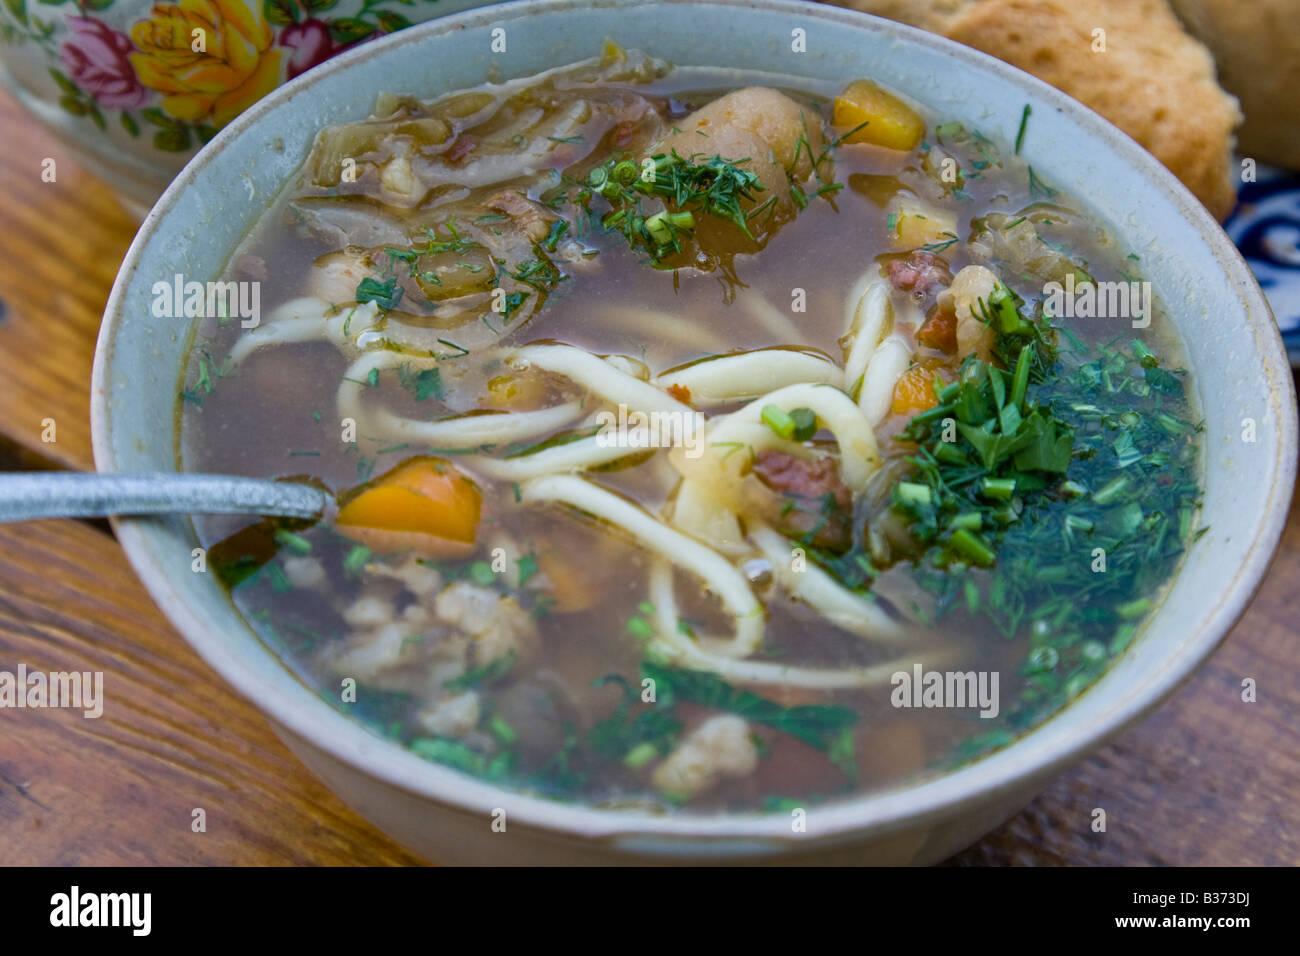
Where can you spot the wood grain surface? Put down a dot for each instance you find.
(1207, 780)
(60, 245)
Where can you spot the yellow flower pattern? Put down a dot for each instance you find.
(210, 59)
(189, 67)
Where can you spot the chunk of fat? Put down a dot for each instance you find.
(334, 276)
(304, 572)
(719, 747)
(496, 623)
(917, 223)
(419, 579)
(405, 654)
(969, 286)
(369, 610)
(452, 716)
(372, 653)
(467, 606)
(397, 177)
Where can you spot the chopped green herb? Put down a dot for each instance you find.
(356, 559)
(385, 294)
(1024, 121)
(488, 674)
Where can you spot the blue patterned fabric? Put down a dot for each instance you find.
(1266, 228)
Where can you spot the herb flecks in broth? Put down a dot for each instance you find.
(639, 544)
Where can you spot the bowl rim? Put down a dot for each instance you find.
(877, 813)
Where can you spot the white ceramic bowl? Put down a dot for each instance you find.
(1239, 371)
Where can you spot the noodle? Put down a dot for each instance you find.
(718, 574)
(857, 615)
(747, 375)
(464, 431)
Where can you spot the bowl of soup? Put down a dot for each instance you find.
(801, 447)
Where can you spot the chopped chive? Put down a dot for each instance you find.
(1024, 121)
(779, 420)
(356, 559)
(1072, 489)
(1135, 608)
(1000, 488)
(1144, 354)
(949, 453)
(639, 628)
(1111, 490)
(640, 755)
(909, 492)
(502, 731)
(1020, 383)
(293, 542)
(1078, 523)
(973, 547)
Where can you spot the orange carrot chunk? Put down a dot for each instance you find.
(914, 392)
(424, 496)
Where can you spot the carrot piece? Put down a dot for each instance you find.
(877, 116)
(914, 392)
(570, 588)
(424, 502)
(939, 331)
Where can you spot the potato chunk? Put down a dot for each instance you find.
(916, 223)
(890, 122)
(791, 132)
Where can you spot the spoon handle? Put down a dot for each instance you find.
(26, 496)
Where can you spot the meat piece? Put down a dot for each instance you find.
(452, 716)
(463, 146)
(419, 579)
(405, 651)
(369, 611)
(720, 747)
(495, 622)
(536, 716)
(920, 272)
(531, 218)
(252, 267)
(622, 134)
(823, 504)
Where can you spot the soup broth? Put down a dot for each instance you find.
(701, 441)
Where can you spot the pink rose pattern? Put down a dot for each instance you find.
(95, 59)
(311, 44)
(98, 73)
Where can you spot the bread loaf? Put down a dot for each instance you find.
(1153, 80)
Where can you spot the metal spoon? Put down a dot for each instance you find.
(26, 496)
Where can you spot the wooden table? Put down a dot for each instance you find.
(1207, 780)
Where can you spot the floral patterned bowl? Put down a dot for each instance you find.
(134, 87)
